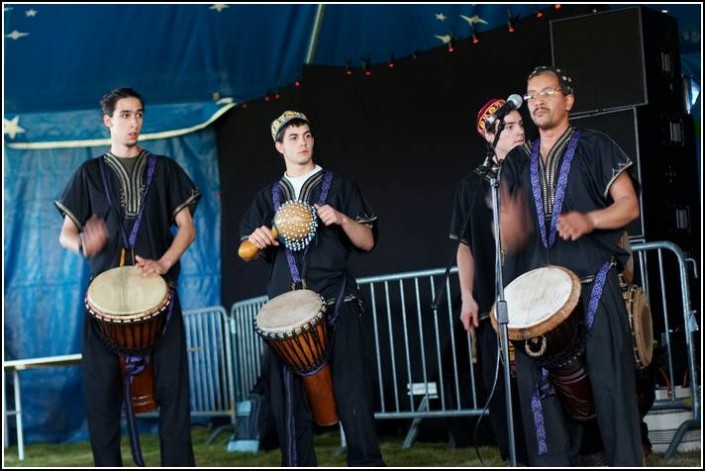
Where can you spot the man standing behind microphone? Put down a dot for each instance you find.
(471, 225)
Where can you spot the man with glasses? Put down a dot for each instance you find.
(578, 197)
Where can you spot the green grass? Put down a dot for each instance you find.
(215, 455)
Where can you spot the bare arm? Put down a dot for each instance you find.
(623, 210)
(88, 243)
(515, 220)
(469, 315)
(185, 236)
(359, 234)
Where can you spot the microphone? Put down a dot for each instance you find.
(513, 103)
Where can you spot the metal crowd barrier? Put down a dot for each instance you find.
(248, 346)
(423, 363)
(661, 269)
(209, 353)
(209, 356)
(210, 362)
(423, 359)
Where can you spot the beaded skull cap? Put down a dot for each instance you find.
(284, 118)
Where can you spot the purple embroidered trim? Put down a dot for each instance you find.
(150, 174)
(548, 242)
(537, 410)
(560, 190)
(290, 419)
(596, 294)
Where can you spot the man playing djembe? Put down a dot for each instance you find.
(346, 224)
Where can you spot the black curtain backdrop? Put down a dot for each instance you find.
(406, 135)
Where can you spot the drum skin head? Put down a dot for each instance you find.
(122, 293)
(539, 300)
(288, 312)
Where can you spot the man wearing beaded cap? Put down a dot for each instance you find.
(579, 197)
(346, 224)
(471, 226)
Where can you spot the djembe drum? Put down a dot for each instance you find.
(294, 325)
(294, 225)
(639, 311)
(545, 321)
(129, 309)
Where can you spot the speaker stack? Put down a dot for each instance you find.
(625, 64)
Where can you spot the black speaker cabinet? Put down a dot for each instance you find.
(662, 146)
(620, 58)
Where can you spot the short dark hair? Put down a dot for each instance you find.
(108, 102)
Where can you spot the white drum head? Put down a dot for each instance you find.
(287, 312)
(539, 294)
(123, 293)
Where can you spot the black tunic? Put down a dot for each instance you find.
(328, 252)
(609, 358)
(324, 268)
(170, 191)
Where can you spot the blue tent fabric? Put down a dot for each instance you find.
(84, 128)
(61, 57)
(45, 284)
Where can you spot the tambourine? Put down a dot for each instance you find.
(294, 226)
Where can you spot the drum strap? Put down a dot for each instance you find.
(290, 453)
(129, 242)
(276, 199)
(134, 365)
(550, 239)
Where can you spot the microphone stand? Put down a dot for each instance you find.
(501, 310)
(501, 305)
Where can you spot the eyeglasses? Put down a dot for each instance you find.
(548, 92)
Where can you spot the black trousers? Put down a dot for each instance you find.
(104, 393)
(488, 341)
(351, 364)
(609, 360)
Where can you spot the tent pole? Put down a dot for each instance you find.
(315, 32)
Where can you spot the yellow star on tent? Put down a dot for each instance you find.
(16, 35)
(473, 20)
(218, 7)
(440, 17)
(11, 127)
(445, 38)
